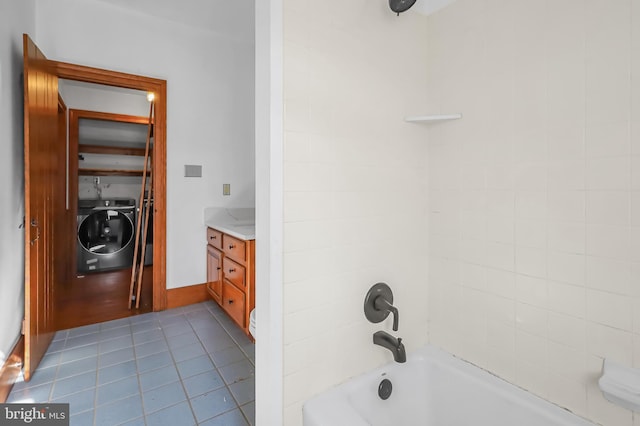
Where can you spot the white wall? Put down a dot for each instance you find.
(16, 18)
(354, 187)
(535, 194)
(427, 7)
(269, 213)
(210, 106)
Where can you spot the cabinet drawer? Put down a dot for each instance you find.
(234, 272)
(234, 303)
(214, 238)
(234, 248)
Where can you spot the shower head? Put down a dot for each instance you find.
(399, 6)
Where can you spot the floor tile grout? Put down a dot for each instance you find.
(215, 365)
(205, 321)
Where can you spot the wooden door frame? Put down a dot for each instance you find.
(159, 89)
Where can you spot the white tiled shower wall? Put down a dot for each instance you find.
(534, 196)
(355, 187)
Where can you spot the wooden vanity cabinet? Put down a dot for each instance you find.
(231, 275)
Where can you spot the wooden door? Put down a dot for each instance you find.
(40, 165)
(214, 273)
(65, 221)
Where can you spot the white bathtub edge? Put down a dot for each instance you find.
(341, 412)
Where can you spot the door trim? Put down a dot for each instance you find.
(159, 88)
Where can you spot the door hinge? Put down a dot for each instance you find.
(22, 330)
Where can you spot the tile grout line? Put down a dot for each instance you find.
(95, 396)
(200, 311)
(135, 360)
(57, 367)
(226, 385)
(164, 336)
(215, 366)
(244, 415)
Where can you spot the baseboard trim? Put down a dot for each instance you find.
(11, 369)
(183, 296)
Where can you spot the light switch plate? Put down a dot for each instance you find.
(226, 189)
(192, 170)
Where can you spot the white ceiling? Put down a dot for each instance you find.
(230, 18)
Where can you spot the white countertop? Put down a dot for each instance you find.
(237, 222)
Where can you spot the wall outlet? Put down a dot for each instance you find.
(226, 189)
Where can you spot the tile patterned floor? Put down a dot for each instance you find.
(184, 366)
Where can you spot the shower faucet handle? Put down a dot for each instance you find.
(378, 303)
(383, 304)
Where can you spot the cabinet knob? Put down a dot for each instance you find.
(232, 246)
(213, 237)
(218, 268)
(232, 270)
(231, 301)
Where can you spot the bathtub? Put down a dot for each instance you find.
(433, 388)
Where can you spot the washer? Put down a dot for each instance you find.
(105, 234)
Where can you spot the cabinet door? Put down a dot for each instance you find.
(214, 273)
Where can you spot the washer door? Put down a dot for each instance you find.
(105, 232)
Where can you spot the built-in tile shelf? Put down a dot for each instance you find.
(620, 384)
(435, 118)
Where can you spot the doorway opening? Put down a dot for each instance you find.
(110, 132)
(106, 157)
(48, 218)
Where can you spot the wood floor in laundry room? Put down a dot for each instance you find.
(99, 297)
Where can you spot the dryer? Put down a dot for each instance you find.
(105, 234)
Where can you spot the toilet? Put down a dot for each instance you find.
(252, 323)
